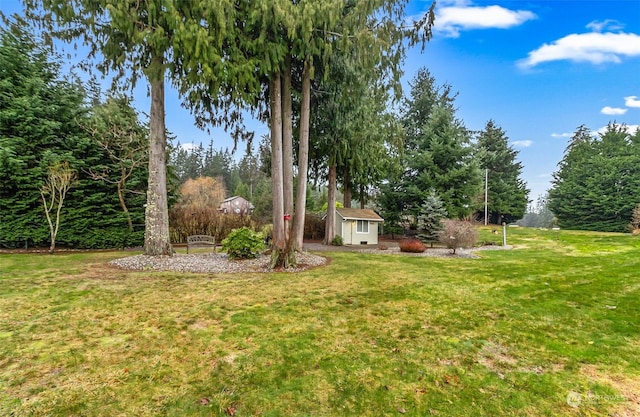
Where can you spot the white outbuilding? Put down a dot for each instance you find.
(358, 226)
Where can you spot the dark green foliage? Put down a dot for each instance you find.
(438, 154)
(352, 128)
(598, 182)
(337, 241)
(198, 162)
(458, 234)
(412, 245)
(391, 206)
(243, 243)
(507, 192)
(430, 217)
(41, 122)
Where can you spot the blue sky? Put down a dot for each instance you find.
(539, 69)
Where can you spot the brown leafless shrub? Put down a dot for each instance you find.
(192, 220)
(458, 234)
(196, 212)
(313, 226)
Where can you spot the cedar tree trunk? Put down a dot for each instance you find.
(303, 159)
(156, 234)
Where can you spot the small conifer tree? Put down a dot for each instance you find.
(430, 217)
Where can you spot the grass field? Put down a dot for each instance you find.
(550, 328)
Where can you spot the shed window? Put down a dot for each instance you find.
(362, 226)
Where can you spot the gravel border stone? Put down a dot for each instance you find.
(220, 262)
(211, 263)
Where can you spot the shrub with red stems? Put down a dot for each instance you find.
(412, 245)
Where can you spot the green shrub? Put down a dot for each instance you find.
(458, 234)
(243, 243)
(337, 241)
(412, 245)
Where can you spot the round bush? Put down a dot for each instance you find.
(458, 234)
(243, 243)
(412, 245)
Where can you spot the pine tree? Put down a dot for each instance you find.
(430, 217)
(155, 40)
(507, 192)
(438, 150)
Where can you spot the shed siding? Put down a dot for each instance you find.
(348, 230)
(351, 236)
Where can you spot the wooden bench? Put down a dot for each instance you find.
(201, 241)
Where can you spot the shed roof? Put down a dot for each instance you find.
(359, 214)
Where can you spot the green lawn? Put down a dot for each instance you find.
(511, 334)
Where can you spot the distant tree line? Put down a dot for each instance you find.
(249, 177)
(539, 215)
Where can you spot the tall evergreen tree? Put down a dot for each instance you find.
(302, 35)
(438, 150)
(187, 162)
(507, 192)
(354, 137)
(598, 180)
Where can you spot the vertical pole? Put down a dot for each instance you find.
(486, 195)
(504, 234)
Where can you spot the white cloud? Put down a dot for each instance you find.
(631, 129)
(523, 143)
(189, 147)
(561, 135)
(596, 48)
(609, 24)
(453, 19)
(613, 111)
(632, 101)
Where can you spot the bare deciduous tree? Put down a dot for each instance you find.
(53, 192)
(202, 192)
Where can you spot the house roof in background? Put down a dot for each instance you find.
(231, 198)
(359, 214)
